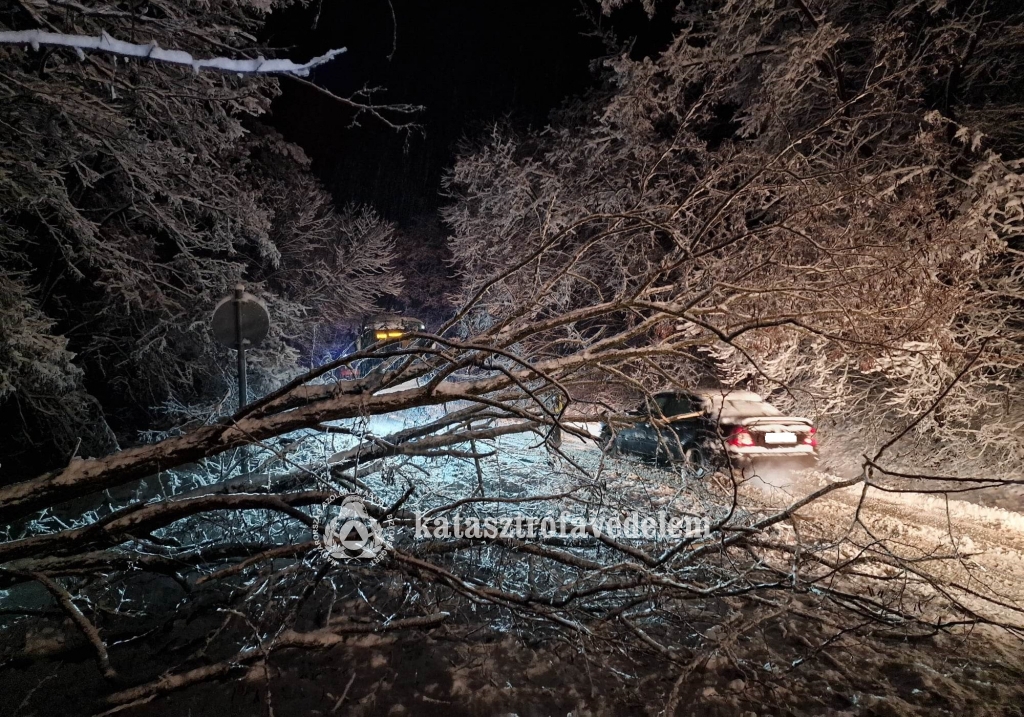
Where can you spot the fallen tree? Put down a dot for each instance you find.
(807, 255)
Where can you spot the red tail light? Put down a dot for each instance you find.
(740, 438)
(811, 439)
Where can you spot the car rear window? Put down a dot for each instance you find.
(674, 405)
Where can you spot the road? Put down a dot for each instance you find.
(975, 552)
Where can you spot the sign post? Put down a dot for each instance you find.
(243, 392)
(241, 321)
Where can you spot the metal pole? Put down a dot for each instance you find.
(243, 393)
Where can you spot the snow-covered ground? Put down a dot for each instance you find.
(977, 551)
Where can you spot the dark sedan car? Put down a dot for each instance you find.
(706, 429)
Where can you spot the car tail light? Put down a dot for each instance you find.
(811, 439)
(740, 438)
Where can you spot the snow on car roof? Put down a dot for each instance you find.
(732, 404)
(729, 404)
(730, 395)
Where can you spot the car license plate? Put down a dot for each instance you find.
(780, 437)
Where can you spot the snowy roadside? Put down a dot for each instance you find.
(976, 552)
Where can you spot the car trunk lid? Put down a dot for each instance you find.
(776, 432)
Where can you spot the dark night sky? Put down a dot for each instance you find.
(470, 62)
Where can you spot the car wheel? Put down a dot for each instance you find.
(695, 462)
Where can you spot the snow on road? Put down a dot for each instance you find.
(975, 551)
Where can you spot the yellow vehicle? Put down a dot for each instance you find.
(385, 329)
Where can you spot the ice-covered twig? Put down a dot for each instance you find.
(400, 112)
(152, 51)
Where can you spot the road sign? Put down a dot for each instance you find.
(241, 321)
(240, 315)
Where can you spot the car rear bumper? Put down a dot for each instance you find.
(804, 456)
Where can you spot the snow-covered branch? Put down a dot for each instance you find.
(152, 51)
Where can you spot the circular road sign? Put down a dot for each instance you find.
(255, 320)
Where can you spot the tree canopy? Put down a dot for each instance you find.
(133, 195)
